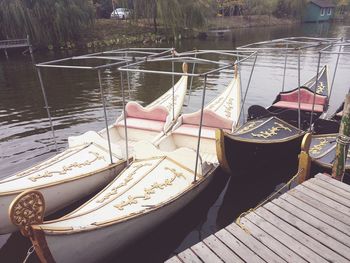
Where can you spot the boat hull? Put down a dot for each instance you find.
(248, 158)
(105, 239)
(58, 196)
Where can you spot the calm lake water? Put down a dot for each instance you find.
(74, 98)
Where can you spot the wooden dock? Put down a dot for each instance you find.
(310, 223)
(15, 43)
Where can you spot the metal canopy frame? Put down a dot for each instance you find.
(292, 44)
(191, 57)
(119, 57)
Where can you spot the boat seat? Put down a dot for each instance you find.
(210, 119)
(142, 124)
(157, 113)
(289, 100)
(295, 105)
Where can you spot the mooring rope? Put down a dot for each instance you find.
(343, 139)
(29, 252)
(269, 198)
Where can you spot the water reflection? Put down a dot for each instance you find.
(74, 98)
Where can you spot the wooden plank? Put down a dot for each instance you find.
(332, 188)
(173, 259)
(204, 253)
(329, 194)
(237, 246)
(306, 240)
(188, 256)
(285, 239)
(324, 199)
(336, 183)
(221, 250)
(315, 222)
(272, 243)
(318, 213)
(313, 232)
(320, 205)
(259, 248)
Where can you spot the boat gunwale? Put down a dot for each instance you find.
(62, 231)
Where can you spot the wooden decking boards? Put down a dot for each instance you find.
(310, 223)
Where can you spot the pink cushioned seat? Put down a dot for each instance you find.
(306, 96)
(210, 119)
(135, 110)
(290, 100)
(143, 124)
(295, 105)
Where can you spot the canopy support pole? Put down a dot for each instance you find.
(47, 106)
(200, 129)
(191, 82)
(299, 112)
(248, 85)
(316, 85)
(173, 83)
(335, 72)
(105, 115)
(125, 127)
(285, 68)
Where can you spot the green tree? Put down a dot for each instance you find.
(174, 15)
(45, 21)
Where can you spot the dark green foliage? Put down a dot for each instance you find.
(45, 21)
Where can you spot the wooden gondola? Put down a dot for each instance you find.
(85, 167)
(157, 184)
(270, 137)
(330, 125)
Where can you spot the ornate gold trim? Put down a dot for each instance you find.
(51, 230)
(67, 168)
(220, 150)
(110, 167)
(27, 209)
(272, 131)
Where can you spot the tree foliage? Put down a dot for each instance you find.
(45, 21)
(174, 14)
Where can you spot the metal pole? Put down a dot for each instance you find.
(316, 84)
(248, 85)
(299, 113)
(193, 68)
(173, 83)
(127, 76)
(125, 127)
(335, 72)
(105, 115)
(47, 106)
(285, 67)
(200, 129)
(240, 84)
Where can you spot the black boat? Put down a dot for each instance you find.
(270, 138)
(330, 125)
(322, 152)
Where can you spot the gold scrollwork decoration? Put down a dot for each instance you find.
(127, 179)
(248, 127)
(228, 107)
(320, 88)
(148, 192)
(317, 148)
(68, 168)
(27, 209)
(272, 131)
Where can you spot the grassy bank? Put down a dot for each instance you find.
(121, 33)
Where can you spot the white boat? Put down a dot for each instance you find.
(157, 184)
(85, 167)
